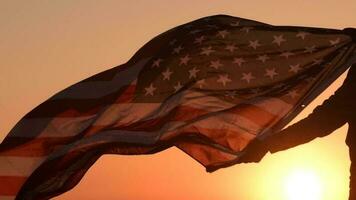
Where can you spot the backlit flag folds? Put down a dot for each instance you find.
(208, 87)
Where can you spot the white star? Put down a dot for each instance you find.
(167, 74)
(263, 58)
(293, 94)
(317, 61)
(157, 62)
(200, 83)
(334, 42)
(286, 54)
(301, 34)
(294, 68)
(193, 72)
(150, 90)
(223, 33)
(246, 29)
(278, 39)
(184, 60)
(223, 79)
(231, 94)
(231, 47)
(177, 87)
(271, 73)
(215, 64)
(207, 50)
(199, 40)
(239, 61)
(310, 49)
(254, 44)
(247, 77)
(237, 23)
(177, 49)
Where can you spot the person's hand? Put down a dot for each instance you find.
(254, 152)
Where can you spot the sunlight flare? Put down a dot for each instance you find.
(303, 184)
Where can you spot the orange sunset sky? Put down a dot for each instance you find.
(46, 46)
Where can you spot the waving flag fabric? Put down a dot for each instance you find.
(208, 87)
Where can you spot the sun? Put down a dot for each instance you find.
(303, 185)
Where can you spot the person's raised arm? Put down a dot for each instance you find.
(325, 118)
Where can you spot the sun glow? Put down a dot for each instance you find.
(303, 184)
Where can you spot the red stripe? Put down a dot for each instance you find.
(235, 140)
(186, 113)
(76, 113)
(180, 113)
(204, 154)
(10, 185)
(44, 146)
(36, 147)
(255, 114)
(127, 95)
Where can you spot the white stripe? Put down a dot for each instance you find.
(19, 166)
(133, 112)
(221, 121)
(272, 105)
(87, 90)
(228, 121)
(203, 100)
(64, 127)
(191, 98)
(70, 126)
(7, 197)
(118, 114)
(54, 127)
(125, 113)
(224, 121)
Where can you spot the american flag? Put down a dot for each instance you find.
(208, 87)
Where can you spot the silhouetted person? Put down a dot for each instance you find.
(336, 111)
